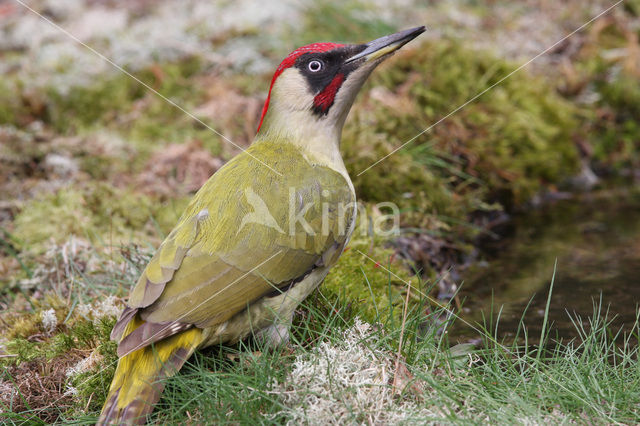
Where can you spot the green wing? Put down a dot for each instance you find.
(247, 232)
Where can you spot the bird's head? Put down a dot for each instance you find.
(314, 87)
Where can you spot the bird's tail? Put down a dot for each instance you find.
(137, 383)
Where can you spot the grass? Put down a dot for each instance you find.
(387, 372)
(593, 378)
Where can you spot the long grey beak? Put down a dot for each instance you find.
(387, 44)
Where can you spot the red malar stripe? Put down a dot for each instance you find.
(324, 99)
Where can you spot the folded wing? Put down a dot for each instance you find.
(238, 241)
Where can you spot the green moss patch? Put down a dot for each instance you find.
(58, 375)
(513, 139)
(373, 278)
(97, 212)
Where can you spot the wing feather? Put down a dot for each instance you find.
(211, 266)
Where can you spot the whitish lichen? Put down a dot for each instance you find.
(168, 31)
(105, 308)
(49, 320)
(84, 365)
(345, 382)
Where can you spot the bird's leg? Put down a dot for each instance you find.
(277, 334)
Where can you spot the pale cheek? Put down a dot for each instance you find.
(291, 91)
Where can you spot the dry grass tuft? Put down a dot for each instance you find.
(37, 389)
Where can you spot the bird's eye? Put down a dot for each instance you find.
(314, 66)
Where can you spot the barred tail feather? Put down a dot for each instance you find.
(137, 383)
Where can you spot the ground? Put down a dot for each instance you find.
(96, 167)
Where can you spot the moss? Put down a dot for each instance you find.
(149, 133)
(32, 341)
(125, 106)
(107, 98)
(93, 385)
(25, 325)
(249, 84)
(52, 216)
(513, 139)
(395, 176)
(98, 212)
(623, 94)
(343, 21)
(8, 102)
(603, 79)
(421, 194)
(148, 129)
(608, 82)
(83, 107)
(372, 276)
(166, 214)
(51, 358)
(99, 167)
(633, 7)
(617, 137)
(496, 153)
(379, 295)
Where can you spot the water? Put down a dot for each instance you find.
(596, 242)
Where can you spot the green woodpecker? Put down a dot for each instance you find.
(258, 237)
